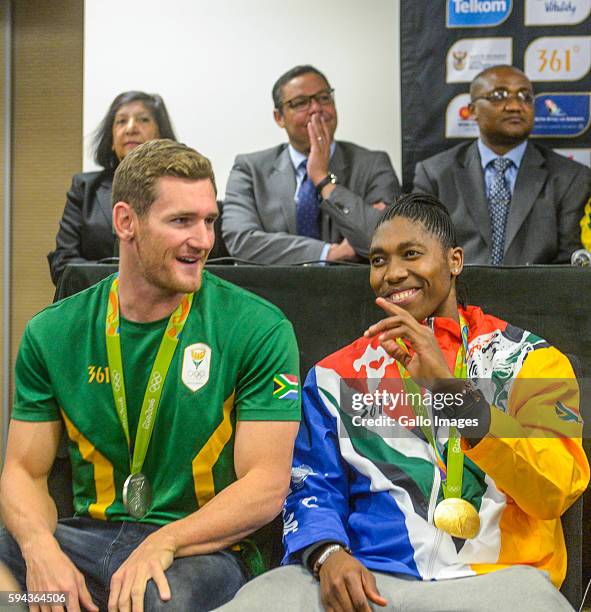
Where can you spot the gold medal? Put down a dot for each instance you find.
(457, 517)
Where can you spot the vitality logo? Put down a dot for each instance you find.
(556, 12)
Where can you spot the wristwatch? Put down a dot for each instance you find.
(472, 397)
(330, 178)
(325, 554)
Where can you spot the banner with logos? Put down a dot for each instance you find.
(444, 44)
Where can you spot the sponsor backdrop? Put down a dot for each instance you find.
(444, 46)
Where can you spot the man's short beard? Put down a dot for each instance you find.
(150, 273)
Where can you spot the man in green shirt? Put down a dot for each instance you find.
(180, 398)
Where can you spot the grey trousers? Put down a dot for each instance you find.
(523, 588)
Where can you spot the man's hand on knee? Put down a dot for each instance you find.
(147, 562)
(346, 585)
(50, 569)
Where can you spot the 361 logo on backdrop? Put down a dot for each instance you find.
(558, 58)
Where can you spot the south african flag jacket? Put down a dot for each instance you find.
(376, 492)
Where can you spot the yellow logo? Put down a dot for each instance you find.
(98, 374)
(197, 354)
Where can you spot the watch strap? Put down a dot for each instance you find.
(330, 178)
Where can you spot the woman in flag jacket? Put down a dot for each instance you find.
(389, 504)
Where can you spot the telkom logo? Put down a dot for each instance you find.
(477, 13)
(480, 6)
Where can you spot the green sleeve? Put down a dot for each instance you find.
(34, 399)
(269, 387)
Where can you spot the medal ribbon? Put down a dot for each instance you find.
(452, 472)
(157, 375)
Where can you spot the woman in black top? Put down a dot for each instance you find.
(86, 232)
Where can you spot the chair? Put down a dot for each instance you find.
(219, 248)
(572, 519)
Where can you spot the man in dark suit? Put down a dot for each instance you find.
(313, 199)
(512, 201)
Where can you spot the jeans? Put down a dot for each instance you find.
(98, 548)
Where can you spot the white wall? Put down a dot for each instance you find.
(214, 63)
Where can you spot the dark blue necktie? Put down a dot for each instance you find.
(307, 208)
(499, 199)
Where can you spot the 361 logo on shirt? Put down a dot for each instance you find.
(98, 374)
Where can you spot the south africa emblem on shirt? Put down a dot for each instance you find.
(196, 363)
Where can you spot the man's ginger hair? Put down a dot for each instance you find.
(136, 177)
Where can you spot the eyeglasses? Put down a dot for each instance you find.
(498, 96)
(302, 103)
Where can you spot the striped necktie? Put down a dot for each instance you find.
(499, 199)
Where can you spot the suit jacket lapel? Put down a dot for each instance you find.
(338, 164)
(530, 180)
(469, 180)
(103, 197)
(282, 188)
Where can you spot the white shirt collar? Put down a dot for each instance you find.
(297, 157)
(515, 155)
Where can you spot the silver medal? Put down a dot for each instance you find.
(137, 495)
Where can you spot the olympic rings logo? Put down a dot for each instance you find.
(155, 382)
